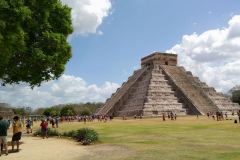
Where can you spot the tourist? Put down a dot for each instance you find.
(44, 128)
(84, 119)
(4, 125)
(208, 114)
(163, 116)
(17, 132)
(175, 116)
(213, 116)
(222, 117)
(56, 121)
(111, 118)
(105, 118)
(168, 115)
(172, 116)
(226, 116)
(217, 115)
(29, 126)
(238, 113)
(52, 122)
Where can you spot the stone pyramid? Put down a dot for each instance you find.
(162, 86)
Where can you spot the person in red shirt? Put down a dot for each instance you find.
(44, 128)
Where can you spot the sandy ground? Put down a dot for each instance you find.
(36, 148)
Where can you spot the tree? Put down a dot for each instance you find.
(47, 112)
(53, 111)
(67, 111)
(19, 111)
(39, 111)
(33, 40)
(85, 112)
(236, 96)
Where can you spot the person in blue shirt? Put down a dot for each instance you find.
(4, 125)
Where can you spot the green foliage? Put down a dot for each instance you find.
(51, 132)
(81, 107)
(54, 111)
(19, 111)
(67, 111)
(22, 111)
(70, 134)
(47, 112)
(39, 111)
(33, 40)
(85, 112)
(37, 132)
(86, 136)
(236, 96)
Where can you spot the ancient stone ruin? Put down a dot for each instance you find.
(162, 86)
(6, 111)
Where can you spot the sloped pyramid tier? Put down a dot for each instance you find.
(203, 98)
(223, 102)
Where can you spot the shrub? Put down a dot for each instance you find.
(86, 136)
(51, 132)
(37, 133)
(70, 134)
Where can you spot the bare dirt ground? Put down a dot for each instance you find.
(36, 148)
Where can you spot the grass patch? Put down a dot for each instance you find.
(186, 138)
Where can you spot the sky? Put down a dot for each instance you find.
(111, 36)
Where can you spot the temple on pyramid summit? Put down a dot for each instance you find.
(163, 86)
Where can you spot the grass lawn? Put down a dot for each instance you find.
(153, 139)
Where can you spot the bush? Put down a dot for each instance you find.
(70, 134)
(51, 132)
(37, 133)
(86, 136)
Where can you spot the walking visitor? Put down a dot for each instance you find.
(17, 132)
(4, 125)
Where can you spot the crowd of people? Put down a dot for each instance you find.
(17, 125)
(54, 121)
(219, 116)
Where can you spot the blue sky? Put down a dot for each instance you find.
(111, 36)
(136, 28)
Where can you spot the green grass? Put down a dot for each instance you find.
(153, 139)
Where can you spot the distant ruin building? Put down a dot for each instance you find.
(6, 111)
(162, 86)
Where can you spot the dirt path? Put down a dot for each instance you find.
(35, 148)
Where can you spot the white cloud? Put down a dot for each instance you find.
(213, 55)
(67, 89)
(88, 15)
